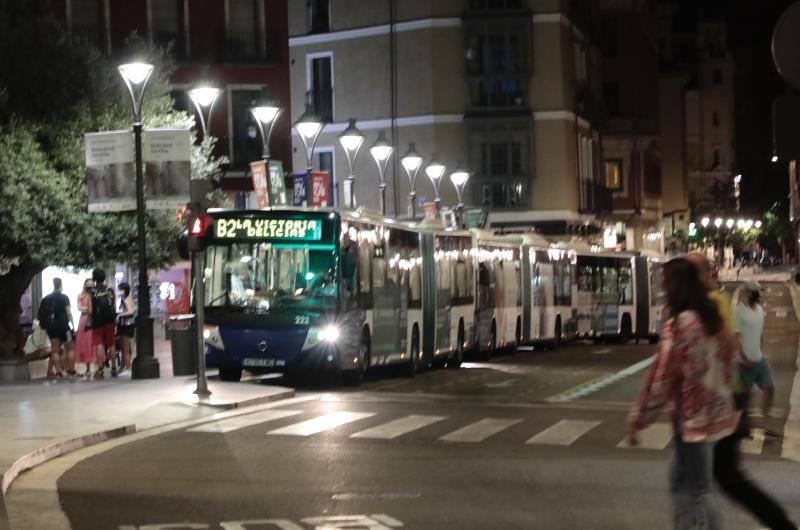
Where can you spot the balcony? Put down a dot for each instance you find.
(247, 47)
(596, 198)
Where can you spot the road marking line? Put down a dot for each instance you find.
(480, 430)
(597, 384)
(322, 423)
(755, 444)
(565, 432)
(241, 422)
(656, 437)
(398, 427)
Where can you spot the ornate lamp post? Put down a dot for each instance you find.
(412, 162)
(381, 151)
(435, 170)
(351, 141)
(145, 365)
(205, 96)
(309, 126)
(266, 112)
(459, 178)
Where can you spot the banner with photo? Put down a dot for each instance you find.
(277, 186)
(260, 186)
(167, 156)
(110, 172)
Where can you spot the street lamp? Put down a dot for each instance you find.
(351, 141)
(205, 96)
(412, 162)
(459, 178)
(704, 221)
(381, 151)
(718, 222)
(729, 223)
(266, 112)
(757, 224)
(309, 126)
(435, 170)
(145, 365)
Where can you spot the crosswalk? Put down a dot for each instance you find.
(440, 428)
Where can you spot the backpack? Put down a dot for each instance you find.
(103, 311)
(47, 313)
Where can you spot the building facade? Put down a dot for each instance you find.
(507, 89)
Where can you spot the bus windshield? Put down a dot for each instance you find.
(260, 276)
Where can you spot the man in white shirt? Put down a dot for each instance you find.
(750, 324)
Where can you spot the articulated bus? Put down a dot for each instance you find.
(301, 289)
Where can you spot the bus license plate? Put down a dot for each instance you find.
(258, 363)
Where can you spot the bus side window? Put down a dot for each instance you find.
(566, 291)
(625, 286)
(484, 286)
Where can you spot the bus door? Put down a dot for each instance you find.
(641, 296)
(428, 298)
(387, 312)
(528, 256)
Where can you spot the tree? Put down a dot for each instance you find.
(54, 92)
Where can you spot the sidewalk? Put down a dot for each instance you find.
(43, 419)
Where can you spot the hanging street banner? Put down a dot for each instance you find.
(277, 185)
(110, 173)
(260, 187)
(300, 190)
(167, 156)
(319, 189)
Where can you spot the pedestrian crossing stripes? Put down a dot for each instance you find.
(322, 423)
(398, 427)
(564, 432)
(561, 433)
(480, 430)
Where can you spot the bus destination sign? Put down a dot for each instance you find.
(286, 229)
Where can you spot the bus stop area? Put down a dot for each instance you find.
(43, 419)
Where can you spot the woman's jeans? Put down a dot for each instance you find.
(690, 484)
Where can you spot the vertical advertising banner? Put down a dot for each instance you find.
(300, 190)
(167, 156)
(260, 186)
(110, 173)
(319, 188)
(277, 186)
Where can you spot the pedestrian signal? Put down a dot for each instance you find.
(199, 232)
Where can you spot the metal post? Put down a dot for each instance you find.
(438, 201)
(145, 365)
(199, 313)
(350, 191)
(382, 187)
(412, 204)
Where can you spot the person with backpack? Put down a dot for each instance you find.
(126, 324)
(55, 317)
(103, 319)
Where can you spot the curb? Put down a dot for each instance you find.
(229, 405)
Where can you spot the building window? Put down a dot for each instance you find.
(247, 146)
(613, 174)
(496, 60)
(168, 18)
(320, 70)
(181, 101)
(715, 119)
(243, 38)
(610, 37)
(88, 20)
(716, 76)
(318, 19)
(715, 157)
(611, 98)
(500, 156)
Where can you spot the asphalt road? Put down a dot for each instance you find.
(530, 440)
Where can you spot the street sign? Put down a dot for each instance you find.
(110, 173)
(167, 157)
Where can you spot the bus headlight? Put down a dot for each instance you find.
(329, 334)
(212, 337)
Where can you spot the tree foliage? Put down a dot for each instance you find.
(54, 87)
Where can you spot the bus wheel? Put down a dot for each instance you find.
(653, 339)
(625, 330)
(412, 366)
(557, 334)
(230, 373)
(355, 377)
(457, 358)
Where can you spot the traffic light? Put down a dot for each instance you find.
(199, 232)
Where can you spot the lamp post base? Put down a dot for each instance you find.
(145, 365)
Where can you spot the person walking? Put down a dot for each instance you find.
(55, 317)
(103, 319)
(728, 472)
(692, 371)
(126, 324)
(84, 350)
(750, 323)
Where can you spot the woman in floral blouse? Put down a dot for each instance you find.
(692, 374)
